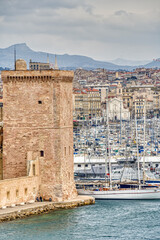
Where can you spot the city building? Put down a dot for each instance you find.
(87, 103)
(39, 66)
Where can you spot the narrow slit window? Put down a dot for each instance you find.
(25, 191)
(8, 195)
(64, 151)
(42, 153)
(34, 169)
(17, 193)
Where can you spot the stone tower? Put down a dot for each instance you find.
(119, 90)
(38, 124)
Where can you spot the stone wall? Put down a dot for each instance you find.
(18, 190)
(1, 166)
(1, 152)
(38, 121)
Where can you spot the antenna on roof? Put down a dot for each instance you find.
(15, 58)
(56, 65)
(47, 57)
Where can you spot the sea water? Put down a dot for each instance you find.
(116, 219)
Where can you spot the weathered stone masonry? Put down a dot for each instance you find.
(38, 125)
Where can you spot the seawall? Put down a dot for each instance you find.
(36, 208)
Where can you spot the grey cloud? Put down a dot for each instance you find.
(20, 7)
(121, 13)
(78, 22)
(84, 24)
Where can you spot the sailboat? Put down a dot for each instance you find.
(140, 192)
(126, 194)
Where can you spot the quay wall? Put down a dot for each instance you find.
(18, 190)
(43, 207)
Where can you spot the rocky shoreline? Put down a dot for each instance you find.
(37, 208)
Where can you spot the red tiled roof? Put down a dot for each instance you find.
(91, 90)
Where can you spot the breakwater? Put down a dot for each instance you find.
(36, 208)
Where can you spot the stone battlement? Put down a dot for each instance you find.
(41, 75)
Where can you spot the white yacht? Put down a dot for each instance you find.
(122, 194)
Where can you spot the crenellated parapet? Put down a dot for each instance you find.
(43, 76)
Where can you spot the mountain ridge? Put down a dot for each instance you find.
(65, 61)
(122, 61)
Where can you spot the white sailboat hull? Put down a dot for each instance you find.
(139, 194)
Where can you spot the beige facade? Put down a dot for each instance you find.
(80, 105)
(87, 103)
(156, 101)
(140, 104)
(39, 132)
(128, 99)
(38, 66)
(94, 102)
(139, 107)
(135, 96)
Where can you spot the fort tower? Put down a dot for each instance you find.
(38, 125)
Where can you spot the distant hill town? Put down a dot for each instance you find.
(65, 61)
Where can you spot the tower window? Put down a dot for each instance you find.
(64, 151)
(34, 169)
(8, 195)
(42, 153)
(39, 102)
(25, 191)
(17, 193)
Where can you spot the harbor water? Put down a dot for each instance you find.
(112, 220)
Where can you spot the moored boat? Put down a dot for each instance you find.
(138, 192)
(124, 194)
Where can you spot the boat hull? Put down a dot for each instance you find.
(139, 194)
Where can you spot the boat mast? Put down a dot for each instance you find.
(139, 181)
(85, 148)
(106, 138)
(120, 122)
(109, 153)
(144, 152)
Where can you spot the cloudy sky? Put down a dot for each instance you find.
(101, 29)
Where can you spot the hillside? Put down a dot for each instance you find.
(65, 61)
